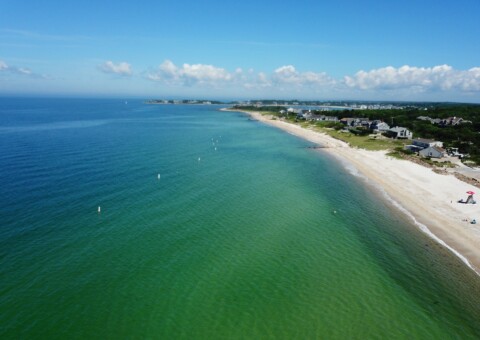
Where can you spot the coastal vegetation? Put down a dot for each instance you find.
(464, 136)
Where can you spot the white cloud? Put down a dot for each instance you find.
(22, 71)
(471, 80)
(405, 81)
(289, 75)
(205, 72)
(189, 74)
(288, 78)
(201, 74)
(122, 68)
(168, 69)
(441, 77)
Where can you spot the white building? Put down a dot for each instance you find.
(400, 132)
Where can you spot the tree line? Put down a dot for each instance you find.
(464, 136)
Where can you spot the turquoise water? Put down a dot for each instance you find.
(240, 241)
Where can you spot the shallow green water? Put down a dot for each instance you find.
(240, 241)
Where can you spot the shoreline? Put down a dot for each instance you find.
(427, 198)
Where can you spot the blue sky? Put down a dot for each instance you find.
(373, 50)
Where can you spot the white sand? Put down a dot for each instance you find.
(430, 199)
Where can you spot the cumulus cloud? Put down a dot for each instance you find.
(471, 80)
(258, 81)
(406, 80)
(201, 74)
(122, 68)
(289, 75)
(441, 77)
(189, 74)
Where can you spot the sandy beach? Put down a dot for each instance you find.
(428, 198)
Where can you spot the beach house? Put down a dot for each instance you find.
(319, 117)
(399, 132)
(452, 121)
(432, 152)
(419, 144)
(356, 122)
(379, 126)
(348, 121)
(426, 143)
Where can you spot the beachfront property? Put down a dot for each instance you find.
(378, 126)
(427, 148)
(399, 132)
(419, 144)
(356, 122)
(432, 152)
(323, 118)
(314, 116)
(426, 143)
(330, 118)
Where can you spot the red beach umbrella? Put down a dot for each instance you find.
(470, 192)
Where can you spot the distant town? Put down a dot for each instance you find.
(328, 105)
(310, 104)
(184, 102)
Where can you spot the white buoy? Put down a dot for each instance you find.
(199, 159)
(158, 176)
(99, 209)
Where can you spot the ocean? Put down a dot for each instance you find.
(211, 226)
